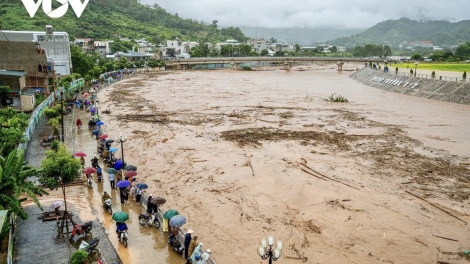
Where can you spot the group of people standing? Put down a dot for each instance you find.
(193, 252)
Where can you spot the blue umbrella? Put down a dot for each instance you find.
(142, 185)
(124, 184)
(100, 123)
(118, 165)
(177, 221)
(113, 149)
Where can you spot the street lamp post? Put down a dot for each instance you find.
(416, 66)
(91, 92)
(266, 251)
(97, 107)
(121, 139)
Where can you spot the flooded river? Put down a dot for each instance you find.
(236, 153)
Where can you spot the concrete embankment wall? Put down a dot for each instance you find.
(455, 92)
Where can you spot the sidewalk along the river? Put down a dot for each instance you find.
(44, 237)
(38, 241)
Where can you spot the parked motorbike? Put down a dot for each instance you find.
(81, 229)
(123, 238)
(91, 246)
(46, 141)
(107, 206)
(149, 220)
(175, 244)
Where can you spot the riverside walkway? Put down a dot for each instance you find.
(36, 241)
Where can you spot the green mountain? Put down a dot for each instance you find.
(106, 19)
(395, 32)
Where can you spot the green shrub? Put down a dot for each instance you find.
(337, 99)
(78, 257)
(53, 112)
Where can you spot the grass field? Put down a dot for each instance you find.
(455, 67)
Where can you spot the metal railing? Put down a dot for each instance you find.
(427, 76)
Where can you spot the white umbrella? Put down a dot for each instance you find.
(56, 204)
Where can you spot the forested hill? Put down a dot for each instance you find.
(106, 19)
(394, 32)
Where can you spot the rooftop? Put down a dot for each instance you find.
(12, 73)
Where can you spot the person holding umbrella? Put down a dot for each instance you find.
(120, 227)
(149, 205)
(138, 195)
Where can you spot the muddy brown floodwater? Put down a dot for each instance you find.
(246, 154)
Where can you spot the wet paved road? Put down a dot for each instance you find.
(37, 241)
(146, 244)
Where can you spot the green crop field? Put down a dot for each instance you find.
(455, 67)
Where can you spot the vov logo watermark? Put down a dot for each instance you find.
(77, 6)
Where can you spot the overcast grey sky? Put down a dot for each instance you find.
(314, 13)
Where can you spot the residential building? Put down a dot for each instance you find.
(20, 98)
(55, 44)
(30, 58)
(258, 45)
(90, 45)
(176, 47)
(281, 47)
(341, 48)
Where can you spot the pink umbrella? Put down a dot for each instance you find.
(89, 170)
(80, 154)
(130, 173)
(104, 136)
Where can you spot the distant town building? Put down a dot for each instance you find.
(90, 45)
(55, 44)
(257, 45)
(176, 47)
(424, 44)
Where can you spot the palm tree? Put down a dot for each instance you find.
(14, 184)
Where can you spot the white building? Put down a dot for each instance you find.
(56, 45)
(174, 48)
(258, 45)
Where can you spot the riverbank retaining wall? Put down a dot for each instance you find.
(455, 92)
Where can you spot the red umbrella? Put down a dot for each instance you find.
(80, 154)
(89, 170)
(104, 136)
(130, 173)
(86, 94)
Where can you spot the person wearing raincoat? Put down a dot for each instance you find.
(79, 123)
(197, 251)
(206, 256)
